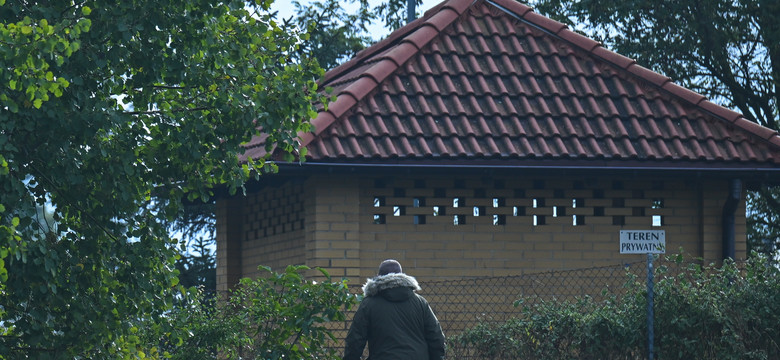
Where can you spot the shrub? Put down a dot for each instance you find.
(702, 313)
(278, 316)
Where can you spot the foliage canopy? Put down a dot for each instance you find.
(106, 109)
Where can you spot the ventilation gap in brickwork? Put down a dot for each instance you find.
(559, 211)
(459, 220)
(638, 194)
(657, 204)
(518, 211)
(598, 211)
(519, 193)
(618, 203)
(419, 219)
(418, 202)
(539, 220)
(480, 193)
(399, 192)
(499, 202)
(638, 211)
(559, 193)
(598, 194)
(399, 210)
(577, 202)
(458, 202)
(379, 201)
(499, 220)
(537, 203)
(619, 220)
(438, 211)
(577, 220)
(479, 210)
(439, 192)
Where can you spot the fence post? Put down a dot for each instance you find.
(650, 334)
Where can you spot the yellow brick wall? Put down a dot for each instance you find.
(440, 249)
(348, 224)
(273, 228)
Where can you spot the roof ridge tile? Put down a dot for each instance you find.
(720, 111)
(612, 57)
(579, 40)
(442, 19)
(459, 6)
(401, 53)
(516, 7)
(763, 132)
(544, 22)
(681, 92)
(380, 71)
(421, 36)
(360, 88)
(649, 75)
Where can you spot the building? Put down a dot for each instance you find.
(486, 140)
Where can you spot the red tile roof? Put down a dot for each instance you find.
(491, 82)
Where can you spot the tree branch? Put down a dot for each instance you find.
(158, 112)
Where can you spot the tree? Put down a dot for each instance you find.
(276, 316)
(726, 50)
(334, 35)
(107, 110)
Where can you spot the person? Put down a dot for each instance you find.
(396, 322)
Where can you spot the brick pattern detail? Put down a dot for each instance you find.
(689, 211)
(274, 228)
(329, 223)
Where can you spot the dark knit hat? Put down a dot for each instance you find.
(390, 266)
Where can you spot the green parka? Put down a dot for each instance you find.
(396, 322)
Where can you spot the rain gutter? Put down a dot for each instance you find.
(729, 219)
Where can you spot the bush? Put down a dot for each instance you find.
(702, 313)
(279, 316)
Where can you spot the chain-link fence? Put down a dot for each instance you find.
(464, 303)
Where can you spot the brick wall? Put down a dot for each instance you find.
(456, 227)
(453, 227)
(273, 228)
(447, 227)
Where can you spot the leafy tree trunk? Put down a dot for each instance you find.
(107, 110)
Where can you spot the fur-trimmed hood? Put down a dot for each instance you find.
(374, 285)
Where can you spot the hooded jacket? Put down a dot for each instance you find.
(396, 322)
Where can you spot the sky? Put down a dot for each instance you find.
(287, 9)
